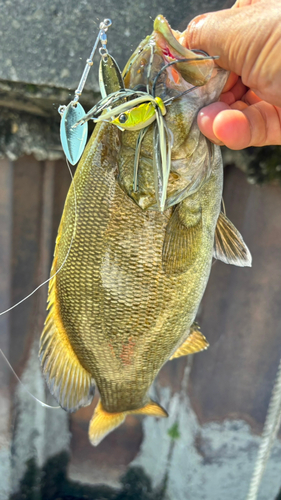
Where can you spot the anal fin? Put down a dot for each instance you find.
(195, 342)
(103, 422)
(229, 245)
(68, 381)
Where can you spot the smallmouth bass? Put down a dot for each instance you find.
(126, 298)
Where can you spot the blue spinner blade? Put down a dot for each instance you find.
(73, 139)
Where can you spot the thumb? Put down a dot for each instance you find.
(219, 34)
(247, 40)
(240, 36)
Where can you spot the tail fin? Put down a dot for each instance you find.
(103, 422)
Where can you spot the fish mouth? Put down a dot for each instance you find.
(184, 65)
(196, 69)
(164, 37)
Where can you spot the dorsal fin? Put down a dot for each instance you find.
(229, 245)
(103, 422)
(68, 381)
(195, 342)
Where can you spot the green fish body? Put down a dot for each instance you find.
(127, 295)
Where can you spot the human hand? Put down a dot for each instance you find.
(247, 39)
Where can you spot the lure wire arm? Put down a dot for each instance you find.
(100, 38)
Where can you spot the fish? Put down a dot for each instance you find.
(131, 273)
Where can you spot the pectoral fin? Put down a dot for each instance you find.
(229, 245)
(68, 381)
(195, 342)
(182, 239)
(103, 422)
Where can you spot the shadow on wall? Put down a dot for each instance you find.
(51, 483)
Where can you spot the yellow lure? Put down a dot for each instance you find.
(140, 116)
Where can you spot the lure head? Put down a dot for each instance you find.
(147, 69)
(140, 116)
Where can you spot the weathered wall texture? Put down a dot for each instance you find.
(217, 400)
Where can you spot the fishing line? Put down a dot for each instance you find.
(66, 257)
(23, 386)
(45, 405)
(168, 101)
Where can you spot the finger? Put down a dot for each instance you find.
(241, 126)
(206, 119)
(207, 32)
(235, 94)
(240, 105)
(232, 128)
(251, 98)
(229, 34)
(256, 125)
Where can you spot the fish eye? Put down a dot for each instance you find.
(122, 118)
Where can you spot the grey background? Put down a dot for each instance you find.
(47, 42)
